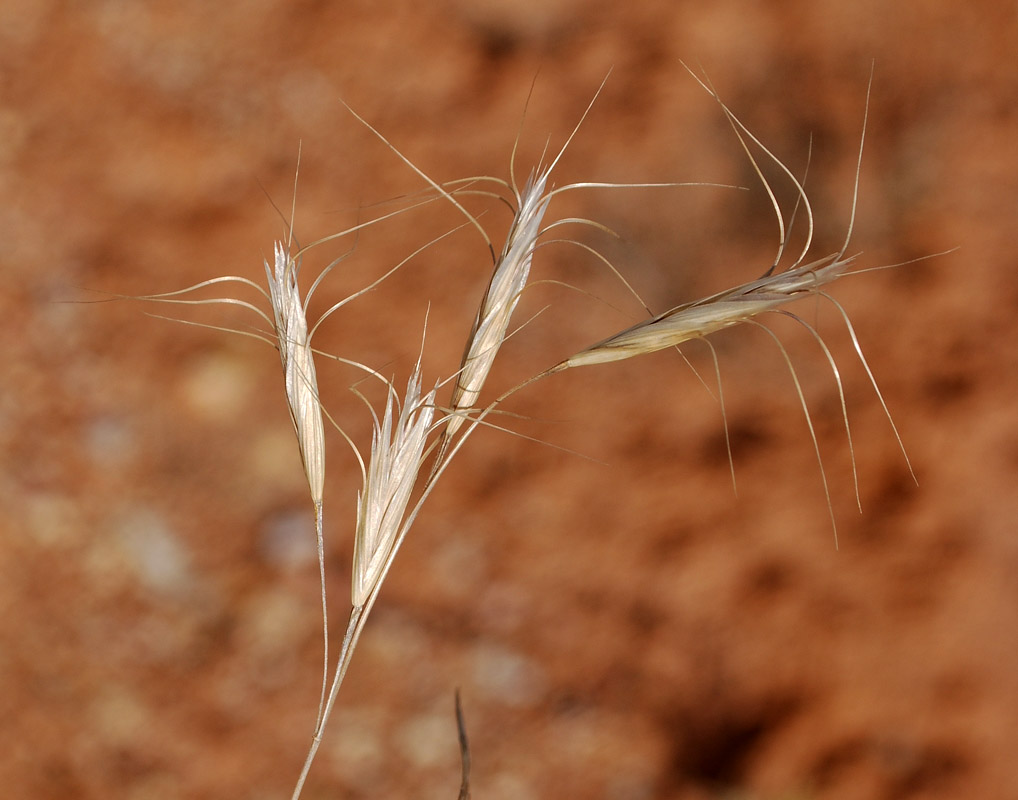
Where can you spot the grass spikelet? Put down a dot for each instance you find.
(397, 451)
(299, 368)
(384, 517)
(500, 299)
(700, 318)
(744, 304)
(302, 399)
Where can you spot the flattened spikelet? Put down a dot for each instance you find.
(397, 451)
(745, 303)
(703, 317)
(299, 368)
(500, 299)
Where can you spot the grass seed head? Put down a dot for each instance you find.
(508, 280)
(397, 452)
(703, 317)
(299, 368)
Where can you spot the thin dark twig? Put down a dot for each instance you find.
(461, 727)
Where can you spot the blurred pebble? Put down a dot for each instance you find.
(354, 746)
(507, 676)
(509, 785)
(428, 740)
(154, 551)
(459, 566)
(53, 519)
(109, 440)
(273, 460)
(216, 386)
(272, 622)
(503, 607)
(118, 717)
(395, 641)
(287, 540)
(307, 96)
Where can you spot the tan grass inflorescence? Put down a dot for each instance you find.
(394, 483)
(301, 381)
(500, 299)
(397, 453)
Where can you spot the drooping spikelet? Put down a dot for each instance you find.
(742, 303)
(397, 451)
(702, 317)
(745, 303)
(298, 367)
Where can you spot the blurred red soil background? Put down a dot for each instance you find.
(620, 622)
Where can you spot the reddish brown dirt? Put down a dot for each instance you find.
(620, 623)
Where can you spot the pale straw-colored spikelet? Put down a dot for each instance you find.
(298, 367)
(384, 517)
(397, 452)
(500, 299)
(511, 271)
(302, 399)
(703, 317)
(743, 303)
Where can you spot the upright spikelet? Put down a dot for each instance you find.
(397, 451)
(384, 516)
(512, 269)
(299, 368)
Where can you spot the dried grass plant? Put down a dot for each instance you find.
(415, 439)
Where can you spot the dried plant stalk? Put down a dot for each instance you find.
(384, 516)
